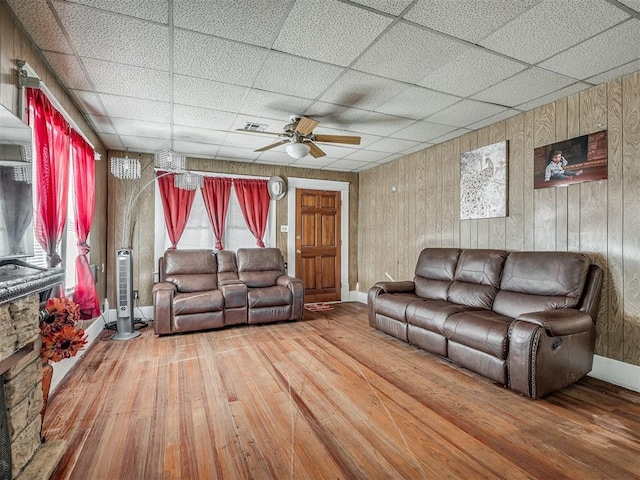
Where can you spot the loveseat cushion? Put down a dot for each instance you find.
(477, 278)
(481, 330)
(268, 297)
(198, 302)
(538, 281)
(191, 270)
(260, 267)
(435, 271)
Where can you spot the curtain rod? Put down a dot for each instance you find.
(33, 80)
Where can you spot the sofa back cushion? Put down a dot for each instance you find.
(477, 278)
(191, 270)
(435, 270)
(227, 267)
(538, 281)
(260, 267)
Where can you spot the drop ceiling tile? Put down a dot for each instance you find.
(141, 128)
(199, 135)
(329, 115)
(634, 4)
(394, 7)
(362, 90)
(346, 165)
(615, 73)
(111, 141)
(392, 145)
(204, 56)
(152, 10)
(367, 155)
(101, 125)
(198, 92)
(534, 35)
(373, 123)
(291, 75)
(310, 162)
(273, 105)
(250, 21)
(603, 52)
(68, 70)
(195, 149)
(510, 112)
(423, 131)
(116, 38)
(390, 158)
(136, 108)
(89, 102)
(417, 102)
(331, 26)
(465, 112)
(408, 53)
(552, 97)
(470, 19)
(145, 144)
(523, 87)
(334, 150)
(449, 136)
(236, 154)
(128, 81)
(472, 71)
(417, 148)
(276, 156)
(202, 117)
(249, 140)
(41, 24)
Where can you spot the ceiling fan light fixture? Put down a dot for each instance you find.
(297, 150)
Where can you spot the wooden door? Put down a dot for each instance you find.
(318, 243)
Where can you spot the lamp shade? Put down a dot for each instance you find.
(297, 150)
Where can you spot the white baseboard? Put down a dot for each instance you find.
(355, 296)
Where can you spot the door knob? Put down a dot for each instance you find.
(298, 251)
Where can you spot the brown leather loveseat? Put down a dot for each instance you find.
(205, 289)
(523, 319)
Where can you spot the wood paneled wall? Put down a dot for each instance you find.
(143, 214)
(16, 45)
(598, 218)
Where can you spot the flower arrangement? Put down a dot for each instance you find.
(61, 336)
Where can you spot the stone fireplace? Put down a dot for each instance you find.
(21, 372)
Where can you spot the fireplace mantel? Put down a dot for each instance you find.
(17, 282)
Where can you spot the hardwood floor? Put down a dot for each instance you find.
(326, 397)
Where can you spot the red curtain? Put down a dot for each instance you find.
(85, 294)
(253, 197)
(176, 204)
(51, 133)
(215, 192)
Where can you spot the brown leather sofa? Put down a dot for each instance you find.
(523, 319)
(205, 289)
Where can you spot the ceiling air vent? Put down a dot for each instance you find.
(254, 127)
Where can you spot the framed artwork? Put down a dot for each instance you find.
(581, 159)
(483, 182)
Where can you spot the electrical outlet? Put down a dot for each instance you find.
(135, 294)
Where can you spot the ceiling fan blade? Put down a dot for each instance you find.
(315, 150)
(352, 140)
(306, 125)
(257, 131)
(273, 145)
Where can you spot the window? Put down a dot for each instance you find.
(198, 232)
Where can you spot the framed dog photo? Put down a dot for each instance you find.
(581, 159)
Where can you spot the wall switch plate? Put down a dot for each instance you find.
(284, 228)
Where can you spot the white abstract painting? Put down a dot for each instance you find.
(483, 182)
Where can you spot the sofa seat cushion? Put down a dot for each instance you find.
(198, 302)
(431, 314)
(481, 330)
(268, 297)
(394, 305)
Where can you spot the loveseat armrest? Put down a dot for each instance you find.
(231, 281)
(406, 286)
(562, 321)
(163, 294)
(297, 294)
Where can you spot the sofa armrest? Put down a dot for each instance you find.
(163, 294)
(563, 321)
(406, 286)
(297, 294)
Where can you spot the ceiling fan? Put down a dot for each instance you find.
(299, 139)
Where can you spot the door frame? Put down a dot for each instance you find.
(294, 183)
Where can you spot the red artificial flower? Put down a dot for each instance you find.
(65, 343)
